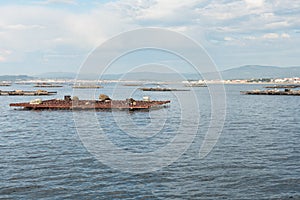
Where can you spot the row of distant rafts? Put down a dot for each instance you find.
(26, 93)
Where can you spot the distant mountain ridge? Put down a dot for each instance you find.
(258, 71)
(152, 76)
(57, 75)
(15, 77)
(243, 72)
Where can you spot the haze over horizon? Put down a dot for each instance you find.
(57, 35)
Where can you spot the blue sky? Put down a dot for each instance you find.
(57, 35)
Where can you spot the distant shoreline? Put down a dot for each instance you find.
(225, 82)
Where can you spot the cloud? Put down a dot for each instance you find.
(166, 9)
(254, 3)
(285, 35)
(248, 16)
(228, 39)
(215, 10)
(45, 28)
(271, 36)
(155, 13)
(250, 37)
(275, 36)
(277, 24)
(4, 53)
(72, 2)
(19, 27)
(2, 59)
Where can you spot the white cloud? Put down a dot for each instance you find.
(165, 8)
(254, 3)
(42, 28)
(271, 36)
(277, 25)
(19, 27)
(222, 11)
(181, 29)
(73, 2)
(250, 37)
(154, 12)
(4, 53)
(285, 35)
(248, 16)
(228, 38)
(276, 36)
(2, 58)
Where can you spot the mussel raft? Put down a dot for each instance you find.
(75, 104)
(272, 92)
(26, 93)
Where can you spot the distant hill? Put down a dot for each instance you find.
(57, 75)
(152, 76)
(147, 76)
(15, 78)
(258, 71)
(243, 72)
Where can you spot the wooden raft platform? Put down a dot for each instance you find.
(283, 86)
(46, 85)
(55, 104)
(5, 84)
(272, 92)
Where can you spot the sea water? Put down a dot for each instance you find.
(257, 156)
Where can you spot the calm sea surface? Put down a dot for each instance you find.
(256, 157)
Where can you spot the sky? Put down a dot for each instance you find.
(38, 36)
